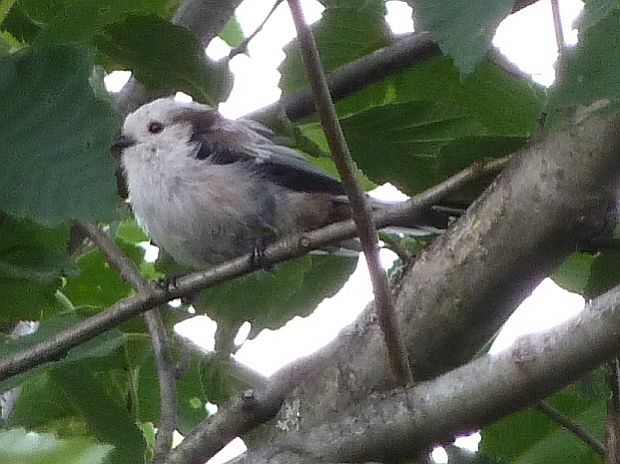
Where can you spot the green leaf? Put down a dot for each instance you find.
(463, 28)
(591, 75)
(574, 273)
(129, 231)
(55, 138)
(32, 261)
(20, 25)
(80, 20)
(401, 143)
(76, 392)
(531, 437)
(98, 284)
(5, 7)
(164, 57)
(232, 33)
(269, 299)
(348, 29)
(21, 447)
(604, 273)
(503, 103)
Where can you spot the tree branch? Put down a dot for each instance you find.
(159, 339)
(369, 69)
(244, 413)
(577, 429)
(397, 424)
(360, 211)
(612, 422)
(557, 25)
(243, 46)
(556, 193)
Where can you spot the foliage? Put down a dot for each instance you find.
(414, 129)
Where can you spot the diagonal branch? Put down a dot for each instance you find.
(360, 211)
(396, 425)
(159, 339)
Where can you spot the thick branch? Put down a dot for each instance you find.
(159, 339)
(556, 194)
(396, 425)
(360, 211)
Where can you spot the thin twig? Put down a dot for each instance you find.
(243, 46)
(557, 25)
(159, 338)
(612, 422)
(58, 345)
(360, 211)
(571, 426)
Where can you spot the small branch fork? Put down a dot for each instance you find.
(243, 46)
(347, 169)
(159, 338)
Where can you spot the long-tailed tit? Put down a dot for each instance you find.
(207, 189)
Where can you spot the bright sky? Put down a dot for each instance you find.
(526, 38)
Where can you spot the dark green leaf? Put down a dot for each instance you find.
(80, 20)
(463, 28)
(604, 273)
(98, 284)
(18, 446)
(531, 437)
(106, 415)
(401, 143)
(164, 57)
(54, 138)
(348, 30)
(503, 103)
(591, 74)
(20, 25)
(32, 261)
(268, 299)
(574, 273)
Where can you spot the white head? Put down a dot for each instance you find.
(163, 126)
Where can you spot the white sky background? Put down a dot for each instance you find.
(527, 38)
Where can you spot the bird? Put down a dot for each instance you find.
(207, 189)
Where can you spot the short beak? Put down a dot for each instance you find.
(121, 143)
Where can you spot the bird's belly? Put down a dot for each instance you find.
(200, 226)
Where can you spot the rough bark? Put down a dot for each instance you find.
(556, 193)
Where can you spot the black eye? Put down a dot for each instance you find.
(155, 127)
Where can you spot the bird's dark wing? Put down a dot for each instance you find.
(221, 141)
